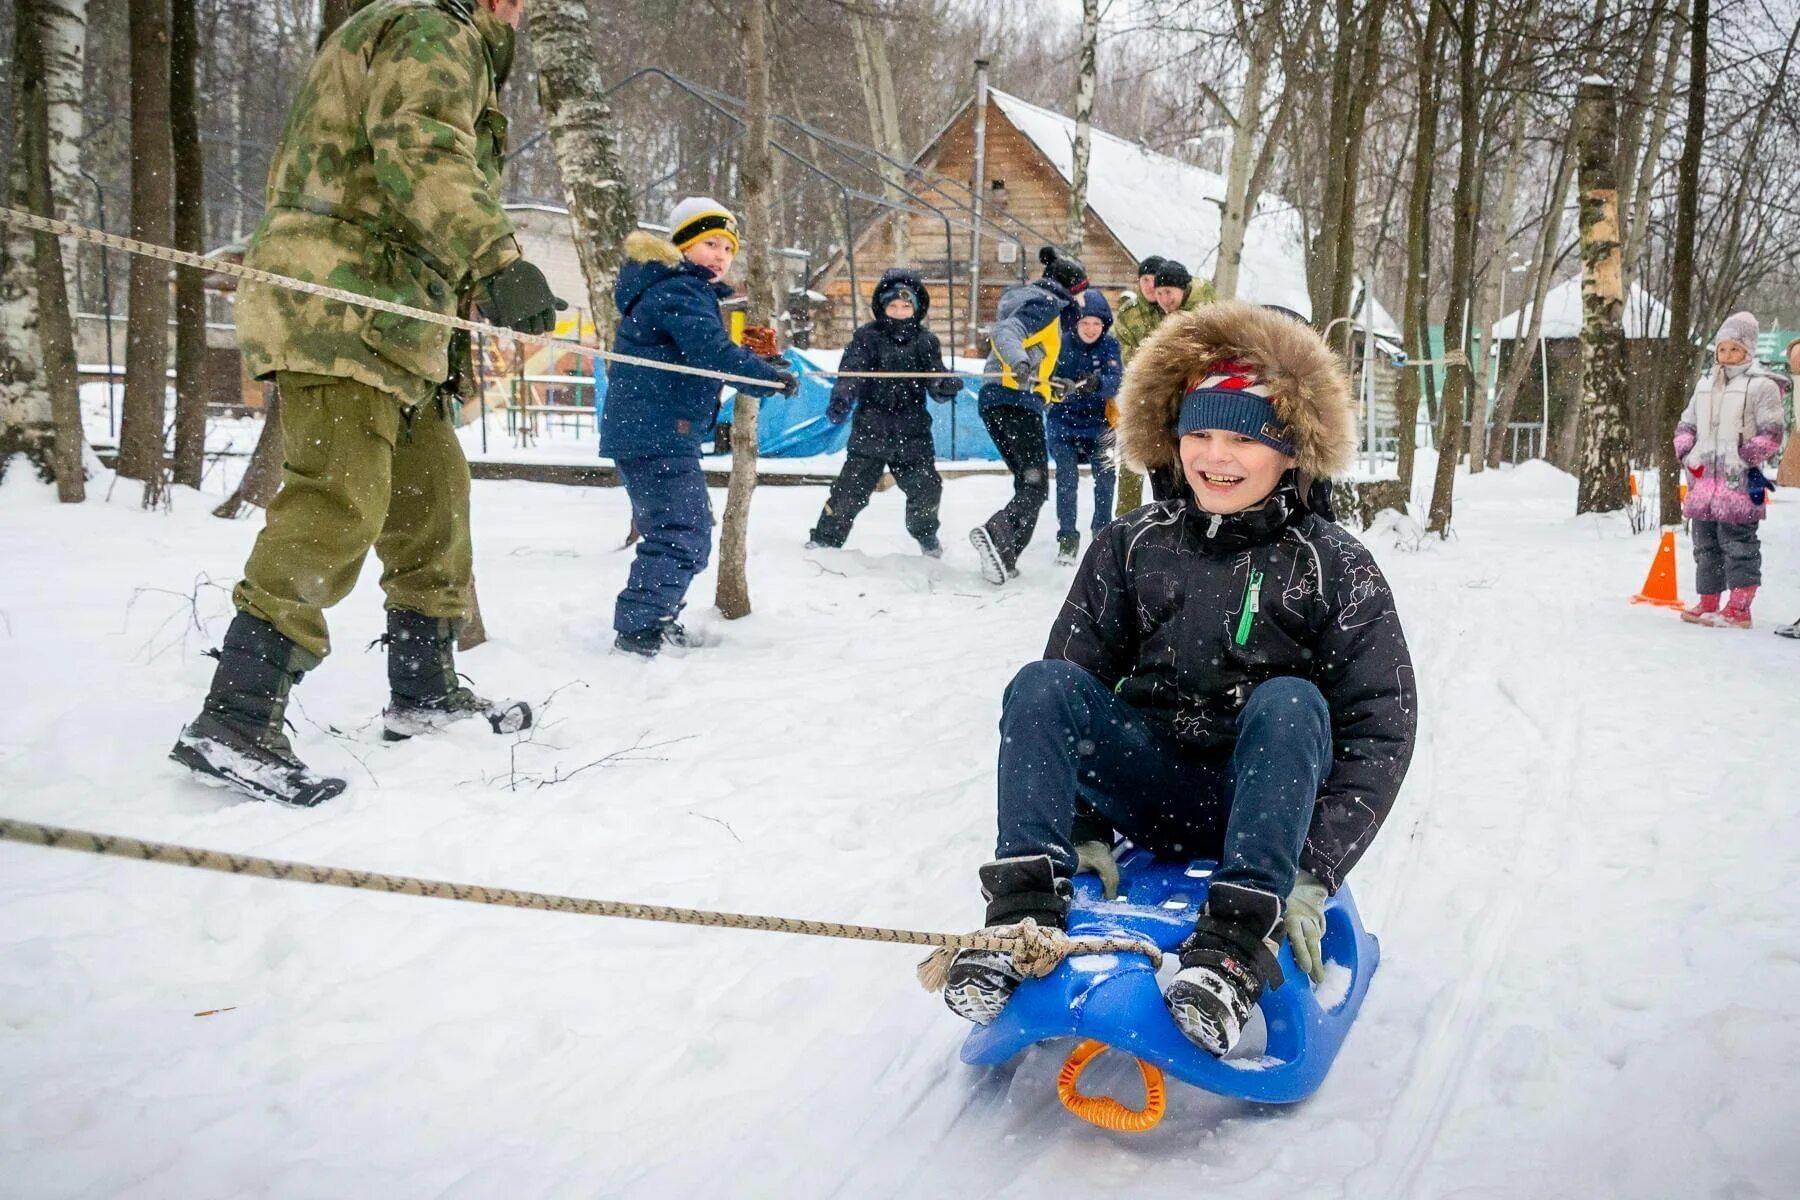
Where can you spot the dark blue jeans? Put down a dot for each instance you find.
(674, 519)
(1065, 738)
(1068, 453)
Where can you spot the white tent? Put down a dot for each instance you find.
(1156, 204)
(1644, 317)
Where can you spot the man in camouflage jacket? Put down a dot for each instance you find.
(386, 182)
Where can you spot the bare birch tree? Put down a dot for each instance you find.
(733, 593)
(1681, 283)
(190, 235)
(1605, 457)
(1084, 126)
(581, 134)
(868, 36)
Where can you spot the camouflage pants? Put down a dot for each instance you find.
(360, 472)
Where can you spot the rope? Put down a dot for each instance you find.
(82, 233)
(1036, 950)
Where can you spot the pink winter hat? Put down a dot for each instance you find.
(1741, 329)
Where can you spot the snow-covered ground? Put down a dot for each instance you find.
(1584, 894)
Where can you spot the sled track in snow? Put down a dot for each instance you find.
(1435, 1076)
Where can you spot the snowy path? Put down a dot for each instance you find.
(1582, 895)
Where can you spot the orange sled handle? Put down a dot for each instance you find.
(1104, 1111)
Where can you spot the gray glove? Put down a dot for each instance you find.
(1097, 857)
(1304, 920)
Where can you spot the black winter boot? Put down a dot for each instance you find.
(1225, 964)
(1068, 549)
(648, 643)
(238, 738)
(980, 982)
(425, 692)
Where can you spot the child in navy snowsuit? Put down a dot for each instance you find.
(1227, 679)
(1030, 323)
(1090, 370)
(892, 430)
(668, 295)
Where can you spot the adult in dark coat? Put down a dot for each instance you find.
(892, 429)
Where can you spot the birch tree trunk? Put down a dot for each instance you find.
(1234, 220)
(1638, 223)
(1418, 244)
(581, 135)
(190, 235)
(1605, 457)
(1084, 125)
(868, 36)
(1681, 287)
(733, 593)
(1462, 272)
(62, 41)
(40, 414)
(147, 322)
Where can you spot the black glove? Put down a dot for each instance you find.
(1060, 388)
(946, 387)
(1088, 385)
(787, 383)
(519, 297)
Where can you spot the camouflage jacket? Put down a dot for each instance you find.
(386, 182)
(1137, 318)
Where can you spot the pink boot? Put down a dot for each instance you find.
(1737, 610)
(1704, 612)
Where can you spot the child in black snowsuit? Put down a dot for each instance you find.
(892, 431)
(1227, 679)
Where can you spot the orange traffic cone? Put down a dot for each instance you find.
(1659, 586)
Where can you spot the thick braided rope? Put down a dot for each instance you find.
(1036, 950)
(82, 233)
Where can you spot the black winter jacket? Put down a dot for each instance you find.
(891, 421)
(1182, 613)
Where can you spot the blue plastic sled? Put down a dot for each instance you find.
(1115, 998)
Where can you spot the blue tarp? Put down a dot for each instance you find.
(795, 426)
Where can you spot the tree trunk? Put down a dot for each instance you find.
(190, 235)
(1489, 310)
(1676, 378)
(1240, 204)
(1418, 245)
(40, 414)
(1525, 345)
(147, 322)
(1639, 222)
(1462, 276)
(1633, 107)
(733, 593)
(39, 401)
(1363, 82)
(1084, 125)
(1321, 264)
(1605, 460)
(581, 133)
(869, 39)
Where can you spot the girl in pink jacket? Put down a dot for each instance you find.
(1730, 427)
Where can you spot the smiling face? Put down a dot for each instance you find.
(1090, 329)
(714, 253)
(898, 309)
(1169, 298)
(1230, 472)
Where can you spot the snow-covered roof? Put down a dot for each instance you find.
(1644, 317)
(1157, 204)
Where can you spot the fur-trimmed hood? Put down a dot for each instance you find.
(1311, 388)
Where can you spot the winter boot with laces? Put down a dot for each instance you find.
(1225, 964)
(1068, 549)
(980, 982)
(239, 737)
(425, 692)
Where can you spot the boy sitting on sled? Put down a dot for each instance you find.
(1226, 680)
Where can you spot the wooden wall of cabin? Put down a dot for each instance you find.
(1029, 191)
